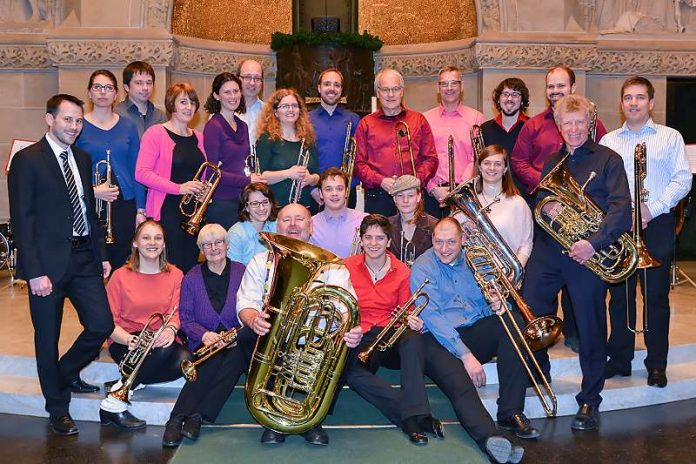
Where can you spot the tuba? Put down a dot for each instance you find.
(202, 200)
(579, 218)
(106, 179)
(297, 365)
(398, 134)
(348, 160)
(296, 186)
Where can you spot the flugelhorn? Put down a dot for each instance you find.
(348, 160)
(106, 179)
(399, 133)
(200, 201)
(579, 217)
(397, 325)
(133, 360)
(228, 339)
(296, 187)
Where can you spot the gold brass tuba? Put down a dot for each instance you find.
(398, 134)
(578, 219)
(348, 160)
(133, 360)
(106, 179)
(200, 201)
(228, 339)
(297, 365)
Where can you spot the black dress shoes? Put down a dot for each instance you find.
(433, 425)
(316, 436)
(63, 425)
(612, 370)
(271, 437)
(414, 432)
(587, 418)
(80, 386)
(192, 427)
(519, 425)
(120, 420)
(172, 432)
(657, 378)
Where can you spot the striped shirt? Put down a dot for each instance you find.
(668, 175)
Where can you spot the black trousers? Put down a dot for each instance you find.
(655, 284)
(487, 339)
(85, 289)
(548, 270)
(449, 374)
(217, 378)
(379, 201)
(223, 211)
(123, 229)
(394, 404)
(160, 365)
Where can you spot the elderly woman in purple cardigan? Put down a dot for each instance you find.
(207, 307)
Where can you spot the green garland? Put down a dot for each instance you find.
(346, 39)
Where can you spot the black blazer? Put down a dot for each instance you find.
(41, 213)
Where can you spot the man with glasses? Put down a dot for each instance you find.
(450, 117)
(139, 84)
(383, 149)
(511, 99)
(330, 121)
(251, 74)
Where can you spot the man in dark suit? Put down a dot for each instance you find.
(61, 254)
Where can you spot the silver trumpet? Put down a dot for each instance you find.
(296, 187)
(105, 179)
(251, 163)
(407, 250)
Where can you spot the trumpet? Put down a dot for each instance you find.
(355, 245)
(407, 250)
(251, 163)
(228, 339)
(296, 187)
(592, 130)
(202, 200)
(477, 142)
(397, 325)
(400, 133)
(106, 179)
(348, 161)
(133, 360)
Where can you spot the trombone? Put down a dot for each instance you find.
(202, 200)
(228, 339)
(106, 179)
(348, 161)
(400, 133)
(451, 182)
(296, 187)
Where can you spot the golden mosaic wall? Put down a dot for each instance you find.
(248, 21)
(418, 21)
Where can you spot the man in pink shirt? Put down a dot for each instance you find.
(383, 151)
(450, 117)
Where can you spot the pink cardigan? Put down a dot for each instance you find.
(154, 167)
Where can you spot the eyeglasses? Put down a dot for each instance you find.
(392, 90)
(209, 245)
(248, 78)
(289, 106)
(258, 204)
(108, 88)
(511, 95)
(445, 84)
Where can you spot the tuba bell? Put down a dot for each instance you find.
(297, 365)
(578, 219)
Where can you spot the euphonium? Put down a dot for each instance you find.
(296, 187)
(200, 201)
(501, 266)
(106, 179)
(477, 142)
(348, 160)
(297, 365)
(397, 325)
(228, 339)
(579, 218)
(133, 360)
(398, 134)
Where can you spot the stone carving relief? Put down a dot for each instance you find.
(489, 12)
(428, 64)
(533, 56)
(158, 13)
(26, 14)
(215, 62)
(92, 52)
(645, 16)
(24, 57)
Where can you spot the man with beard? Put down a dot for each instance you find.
(330, 121)
(450, 117)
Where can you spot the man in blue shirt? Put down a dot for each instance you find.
(459, 318)
(139, 83)
(330, 121)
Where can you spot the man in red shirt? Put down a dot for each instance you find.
(383, 149)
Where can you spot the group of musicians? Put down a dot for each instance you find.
(276, 164)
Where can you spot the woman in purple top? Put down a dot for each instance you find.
(226, 140)
(207, 307)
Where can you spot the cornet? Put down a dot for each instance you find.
(99, 180)
(296, 187)
(399, 133)
(200, 201)
(228, 339)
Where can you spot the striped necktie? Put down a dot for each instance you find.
(79, 225)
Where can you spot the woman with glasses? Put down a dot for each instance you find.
(257, 213)
(286, 131)
(226, 140)
(105, 131)
(208, 309)
(170, 155)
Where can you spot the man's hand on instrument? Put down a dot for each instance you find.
(387, 184)
(192, 187)
(353, 337)
(645, 215)
(474, 369)
(105, 193)
(497, 306)
(259, 324)
(41, 286)
(581, 251)
(552, 209)
(414, 323)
